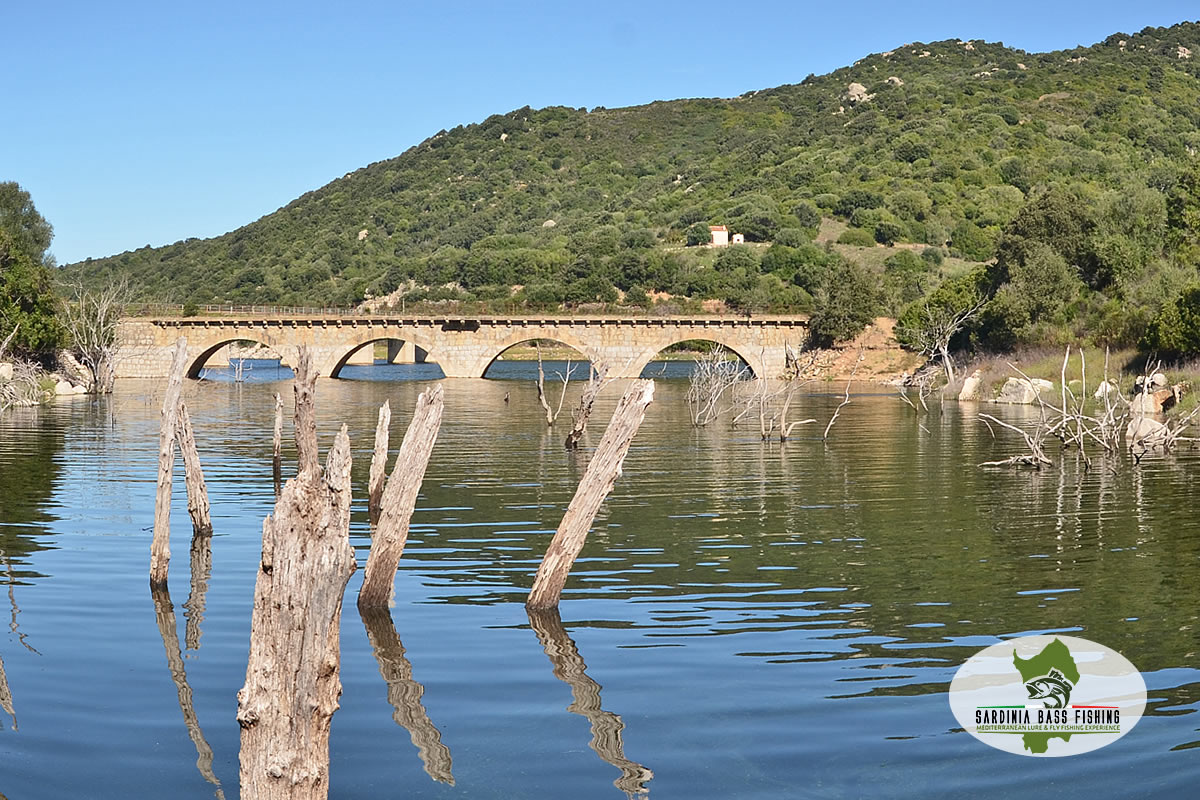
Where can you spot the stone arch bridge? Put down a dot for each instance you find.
(463, 347)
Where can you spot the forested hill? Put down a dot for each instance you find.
(940, 143)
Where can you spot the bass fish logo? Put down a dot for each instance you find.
(1053, 688)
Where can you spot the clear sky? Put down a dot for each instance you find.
(135, 122)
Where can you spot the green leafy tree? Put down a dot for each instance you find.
(28, 306)
(698, 234)
(935, 325)
(29, 230)
(1176, 329)
(847, 305)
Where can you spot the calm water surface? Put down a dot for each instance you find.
(746, 620)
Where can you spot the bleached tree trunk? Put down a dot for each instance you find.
(193, 474)
(277, 451)
(399, 500)
(569, 667)
(160, 546)
(164, 617)
(379, 462)
(6, 700)
(587, 401)
(405, 693)
(597, 482)
(292, 676)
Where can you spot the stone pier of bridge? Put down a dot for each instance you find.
(463, 347)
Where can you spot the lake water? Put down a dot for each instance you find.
(747, 620)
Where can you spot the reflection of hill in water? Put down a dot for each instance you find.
(31, 444)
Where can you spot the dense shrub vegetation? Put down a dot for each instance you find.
(1073, 174)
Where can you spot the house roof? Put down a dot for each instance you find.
(717, 228)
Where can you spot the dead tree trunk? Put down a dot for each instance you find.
(164, 616)
(197, 492)
(379, 462)
(277, 453)
(569, 667)
(404, 693)
(597, 482)
(399, 500)
(587, 400)
(6, 701)
(292, 676)
(160, 547)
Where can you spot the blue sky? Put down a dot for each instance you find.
(135, 123)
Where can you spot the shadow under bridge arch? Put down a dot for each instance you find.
(676, 359)
(371, 349)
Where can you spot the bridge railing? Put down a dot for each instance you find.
(425, 310)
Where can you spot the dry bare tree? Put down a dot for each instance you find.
(565, 377)
(713, 375)
(91, 317)
(597, 380)
(938, 323)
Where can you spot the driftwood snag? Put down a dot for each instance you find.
(581, 415)
(277, 451)
(598, 481)
(405, 693)
(292, 676)
(399, 500)
(160, 547)
(569, 667)
(164, 617)
(193, 475)
(379, 462)
(6, 701)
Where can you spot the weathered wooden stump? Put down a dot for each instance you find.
(292, 675)
(399, 500)
(597, 482)
(160, 546)
(277, 452)
(379, 462)
(193, 475)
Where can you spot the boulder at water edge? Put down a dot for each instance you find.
(1144, 432)
(971, 386)
(1018, 391)
(6, 372)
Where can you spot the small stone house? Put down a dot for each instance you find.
(720, 235)
(739, 238)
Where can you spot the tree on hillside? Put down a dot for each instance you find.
(29, 230)
(846, 306)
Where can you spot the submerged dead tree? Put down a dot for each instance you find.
(399, 500)
(160, 547)
(277, 450)
(581, 415)
(164, 617)
(379, 462)
(565, 377)
(193, 475)
(598, 481)
(405, 693)
(292, 675)
(6, 701)
(569, 667)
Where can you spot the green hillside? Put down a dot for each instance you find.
(941, 144)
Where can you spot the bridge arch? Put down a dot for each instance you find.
(369, 338)
(752, 360)
(197, 363)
